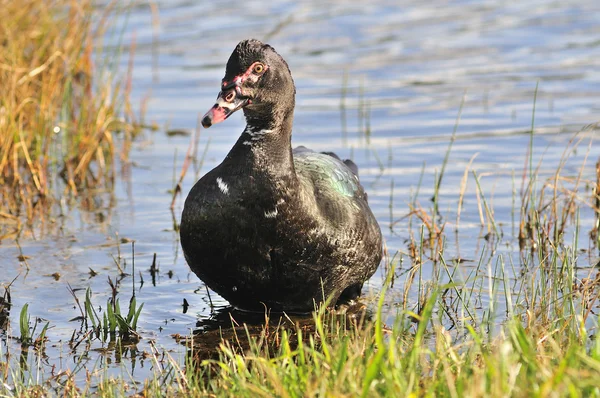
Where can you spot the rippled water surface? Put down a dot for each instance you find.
(383, 84)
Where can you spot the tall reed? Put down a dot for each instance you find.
(59, 113)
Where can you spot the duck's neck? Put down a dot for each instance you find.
(265, 143)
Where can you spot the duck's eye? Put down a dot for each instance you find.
(258, 68)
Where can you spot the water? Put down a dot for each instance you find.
(399, 71)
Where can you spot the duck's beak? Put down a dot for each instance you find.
(228, 101)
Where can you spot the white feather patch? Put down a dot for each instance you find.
(255, 134)
(271, 214)
(222, 186)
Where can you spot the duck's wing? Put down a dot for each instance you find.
(332, 193)
(328, 174)
(349, 163)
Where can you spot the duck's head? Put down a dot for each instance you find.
(256, 79)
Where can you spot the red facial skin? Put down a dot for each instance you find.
(248, 75)
(220, 111)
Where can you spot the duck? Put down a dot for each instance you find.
(271, 226)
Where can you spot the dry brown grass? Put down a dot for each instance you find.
(59, 114)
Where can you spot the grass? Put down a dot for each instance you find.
(406, 360)
(60, 113)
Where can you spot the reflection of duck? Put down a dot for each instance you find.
(243, 330)
(231, 318)
(271, 225)
(237, 328)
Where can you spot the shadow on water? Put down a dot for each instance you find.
(242, 331)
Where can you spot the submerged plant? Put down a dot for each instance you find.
(112, 324)
(28, 334)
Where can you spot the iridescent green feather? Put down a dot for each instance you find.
(328, 171)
